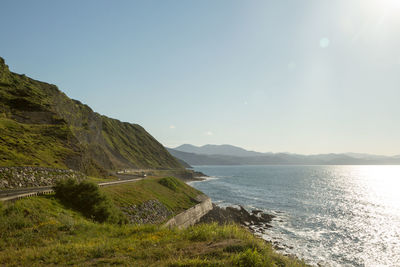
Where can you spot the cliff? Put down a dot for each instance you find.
(41, 126)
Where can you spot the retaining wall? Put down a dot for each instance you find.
(191, 216)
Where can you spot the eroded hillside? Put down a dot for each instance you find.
(41, 126)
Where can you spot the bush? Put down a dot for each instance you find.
(87, 198)
(250, 258)
(171, 183)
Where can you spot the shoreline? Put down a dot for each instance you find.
(256, 221)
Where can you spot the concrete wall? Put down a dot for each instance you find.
(192, 215)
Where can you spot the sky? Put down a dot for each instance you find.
(309, 77)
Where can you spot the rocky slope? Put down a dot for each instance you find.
(15, 177)
(41, 126)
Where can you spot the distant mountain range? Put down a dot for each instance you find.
(232, 155)
(226, 150)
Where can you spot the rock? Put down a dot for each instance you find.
(240, 216)
(255, 212)
(34, 176)
(151, 211)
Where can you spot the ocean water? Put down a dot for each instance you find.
(331, 215)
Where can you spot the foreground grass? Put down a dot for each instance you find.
(41, 231)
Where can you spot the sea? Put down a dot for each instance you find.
(326, 215)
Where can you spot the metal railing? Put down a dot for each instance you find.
(38, 191)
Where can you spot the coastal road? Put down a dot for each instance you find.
(13, 194)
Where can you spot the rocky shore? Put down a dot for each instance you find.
(193, 176)
(256, 220)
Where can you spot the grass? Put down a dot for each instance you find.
(86, 197)
(183, 174)
(101, 180)
(178, 199)
(136, 145)
(33, 145)
(41, 126)
(41, 231)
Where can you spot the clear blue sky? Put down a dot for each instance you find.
(312, 76)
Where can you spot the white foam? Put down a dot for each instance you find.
(204, 179)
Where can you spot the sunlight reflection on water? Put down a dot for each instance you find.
(335, 215)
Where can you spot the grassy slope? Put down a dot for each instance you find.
(40, 231)
(136, 145)
(41, 145)
(40, 125)
(138, 192)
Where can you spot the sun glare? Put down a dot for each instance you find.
(389, 4)
(394, 3)
(381, 183)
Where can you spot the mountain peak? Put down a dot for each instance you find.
(225, 149)
(4, 71)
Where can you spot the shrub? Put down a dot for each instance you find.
(250, 258)
(171, 183)
(87, 198)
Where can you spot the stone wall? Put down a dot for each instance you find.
(151, 211)
(19, 177)
(191, 216)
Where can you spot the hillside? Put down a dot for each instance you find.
(227, 150)
(41, 126)
(231, 155)
(200, 159)
(42, 231)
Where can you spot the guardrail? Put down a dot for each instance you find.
(19, 196)
(38, 191)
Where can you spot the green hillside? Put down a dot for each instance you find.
(41, 126)
(42, 231)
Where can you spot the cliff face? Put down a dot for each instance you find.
(41, 126)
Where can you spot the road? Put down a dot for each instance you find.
(13, 194)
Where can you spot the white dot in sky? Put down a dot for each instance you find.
(324, 42)
(291, 65)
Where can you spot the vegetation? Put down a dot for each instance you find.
(41, 126)
(183, 174)
(34, 145)
(177, 199)
(41, 231)
(101, 180)
(171, 183)
(80, 224)
(86, 197)
(137, 146)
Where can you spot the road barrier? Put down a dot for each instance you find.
(38, 191)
